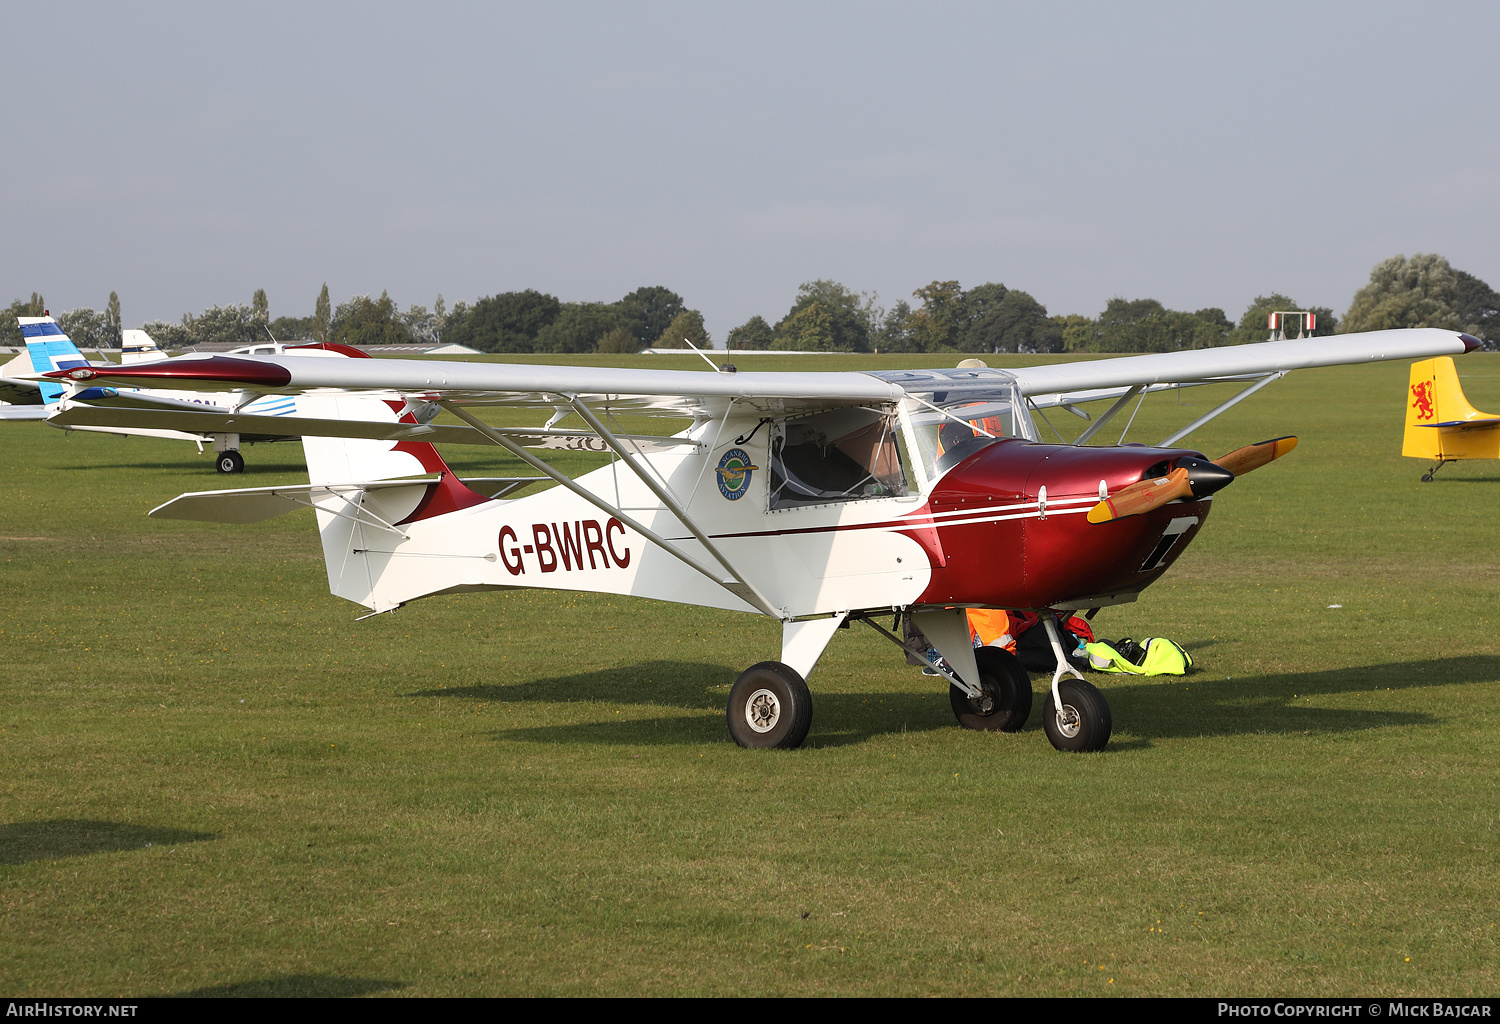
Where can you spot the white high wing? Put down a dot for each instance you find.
(813, 498)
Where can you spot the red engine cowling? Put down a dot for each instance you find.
(1009, 527)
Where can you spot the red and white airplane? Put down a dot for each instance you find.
(813, 498)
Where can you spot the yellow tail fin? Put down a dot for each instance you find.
(1433, 396)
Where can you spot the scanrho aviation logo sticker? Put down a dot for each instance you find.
(734, 474)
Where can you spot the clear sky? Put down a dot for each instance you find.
(1198, 153)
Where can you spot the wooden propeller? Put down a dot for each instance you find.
(1253, 456)
(1193, 478)
(1142, 496)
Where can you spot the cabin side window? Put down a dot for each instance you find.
(846, 455)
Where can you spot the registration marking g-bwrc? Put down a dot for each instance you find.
(571, 547)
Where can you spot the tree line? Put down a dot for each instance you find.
(825, 316)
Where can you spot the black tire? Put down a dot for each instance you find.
(769, 706)
(1007, 688)
(1087, 724)
(1427, 478)
(230, 462)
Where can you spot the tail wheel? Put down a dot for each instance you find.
(230, 462)
(1083, 724)
(1006, 703)
(769, 706)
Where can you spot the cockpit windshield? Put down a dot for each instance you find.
(948, 426)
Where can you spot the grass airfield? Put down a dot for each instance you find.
(216, 782)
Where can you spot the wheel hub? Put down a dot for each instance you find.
(1067, 721)
(762, 711)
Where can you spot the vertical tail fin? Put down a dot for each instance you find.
(355, 564)
(50, 349)
(139, 347)
(336, 460)
(1450, 401)
(1440, 423)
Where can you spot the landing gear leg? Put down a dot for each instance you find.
(1076, 715)
(1427, 476)
(1080, 722)
(227, 457)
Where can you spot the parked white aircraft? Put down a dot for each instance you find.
(814, 498)
(49, 348)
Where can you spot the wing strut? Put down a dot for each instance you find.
(659, 488)
(736, 586)
(1109, 414)
(1222, 407)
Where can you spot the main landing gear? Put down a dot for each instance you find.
(770, 706)
(227, 457)
(1006, 702)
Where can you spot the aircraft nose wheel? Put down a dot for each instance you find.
(230, 462)
(1006, 703)
(1083, 724)
(769, 706)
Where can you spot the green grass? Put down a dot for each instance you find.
(216, 782)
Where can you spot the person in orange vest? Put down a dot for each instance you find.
(991, 627)
(994, 628)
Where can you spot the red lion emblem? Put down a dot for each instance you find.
(1421, 400)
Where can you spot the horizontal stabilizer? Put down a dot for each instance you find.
(172, 435)
(253, 504)
(249, 426)
(18, 391)
(1464, 424)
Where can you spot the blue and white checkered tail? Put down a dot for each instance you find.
(50, 349)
